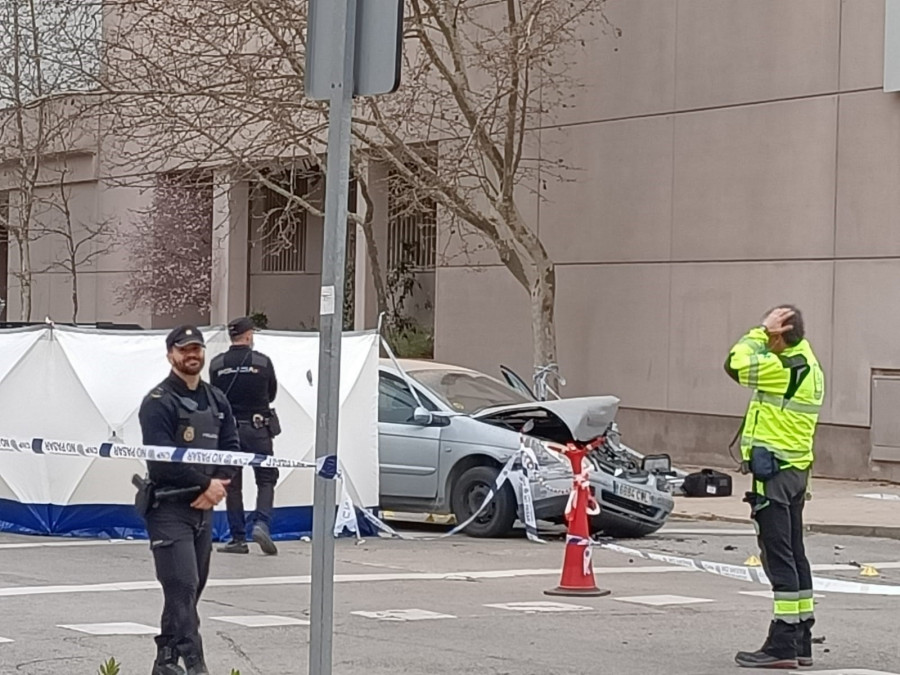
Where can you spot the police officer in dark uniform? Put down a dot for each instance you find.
(184, 411)
(248, 379)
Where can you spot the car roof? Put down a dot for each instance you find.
(414, 365)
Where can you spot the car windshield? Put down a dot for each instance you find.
(468, 392)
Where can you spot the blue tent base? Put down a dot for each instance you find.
(121, 521)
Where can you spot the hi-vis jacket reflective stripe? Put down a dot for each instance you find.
(789, 389)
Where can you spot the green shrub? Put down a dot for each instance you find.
(111, 667)
(260, 320)
(412, 342)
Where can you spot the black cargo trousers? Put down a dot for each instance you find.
(777, 509)
(257, 441)
(181, 542)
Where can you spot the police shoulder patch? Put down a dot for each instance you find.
(157, 393)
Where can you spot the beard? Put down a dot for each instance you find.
(189, 365)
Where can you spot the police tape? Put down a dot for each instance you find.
(529, 467)
(325, 466)
(751, 574)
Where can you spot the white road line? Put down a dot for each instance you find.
(769, 594)
(539, 606)
(404, 615)
(849, 671)
(843, 567)
(14, 591)
(704, 531)
(262, 620)
(64, 544)
(664, 600)
(123, 628)
(4, 640)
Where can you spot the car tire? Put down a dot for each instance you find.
(621, 528)
(469, 491)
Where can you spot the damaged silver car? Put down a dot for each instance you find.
(446, 431)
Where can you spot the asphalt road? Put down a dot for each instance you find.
(449, 606)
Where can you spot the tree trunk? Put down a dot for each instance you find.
(543, 300)
(24, 277)
(74, 294)
(532, 267)
(372, 249)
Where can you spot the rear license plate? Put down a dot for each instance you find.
(633, 493)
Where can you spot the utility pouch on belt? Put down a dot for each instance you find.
(144, 499)
(763, 464)
(274, 423)
(148, 496)
(756, 502)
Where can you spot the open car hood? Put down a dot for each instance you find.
(586, 418)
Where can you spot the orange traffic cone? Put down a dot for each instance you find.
(578, 572)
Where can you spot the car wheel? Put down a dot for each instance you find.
(621, 528)
(469, 492)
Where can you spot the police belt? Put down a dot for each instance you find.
(149, 496)
(258, 421)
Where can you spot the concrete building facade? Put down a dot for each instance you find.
(731, 155)
(734, 155)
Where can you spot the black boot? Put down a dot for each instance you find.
(194, 662)
(262, 537)
(804, 642)
(167, 662)
(778, 651)
(235, 546)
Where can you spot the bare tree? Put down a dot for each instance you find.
(219, 82)
(83, 242)
(47, 50)
(170, 248)
(482, 77)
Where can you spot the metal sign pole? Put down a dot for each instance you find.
(330, 331)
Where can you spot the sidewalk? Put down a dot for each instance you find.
(835, 508)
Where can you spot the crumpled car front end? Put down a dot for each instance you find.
(633, 501)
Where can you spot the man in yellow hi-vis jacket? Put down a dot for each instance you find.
(777, 362)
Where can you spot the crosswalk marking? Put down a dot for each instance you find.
(404, 615)
(121, 628)
(262, 620)
(663, 600)
(539, 606)
(304, 580)
(67, 544)
(770, 595)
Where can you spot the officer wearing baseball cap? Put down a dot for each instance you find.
(248, 379)
(183, 411)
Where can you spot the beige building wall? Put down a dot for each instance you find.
(732, 155)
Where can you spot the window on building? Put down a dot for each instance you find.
(283, 229)
(412, 225)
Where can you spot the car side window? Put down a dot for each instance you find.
(396, 404)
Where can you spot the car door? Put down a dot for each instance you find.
(408, 452)
(516, 382)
